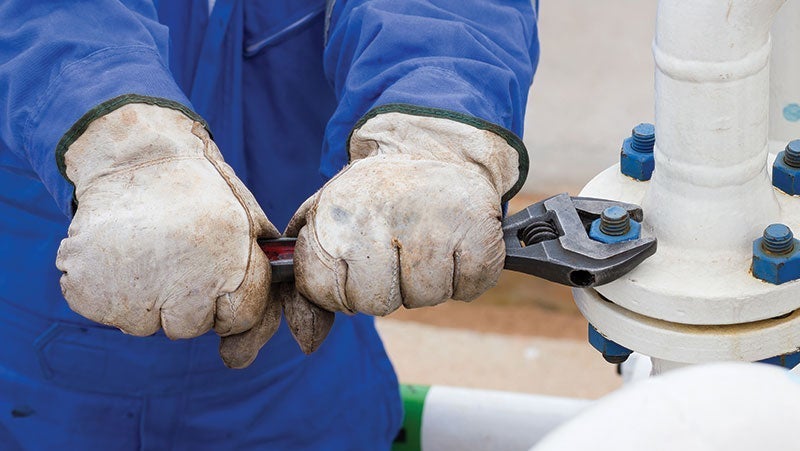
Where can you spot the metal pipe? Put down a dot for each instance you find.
(710, 191)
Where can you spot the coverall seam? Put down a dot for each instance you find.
(326, 29)
(301, 23)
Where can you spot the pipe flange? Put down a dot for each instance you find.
(689, 343)
(696, 288)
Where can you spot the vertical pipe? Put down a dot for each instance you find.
(710, 193)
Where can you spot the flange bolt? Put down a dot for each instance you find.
(775, 256)
(778, 239)
(636, 159)
(615, 221)
(644, 138)
(614, 226)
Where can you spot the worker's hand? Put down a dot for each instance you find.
(413, 220)
(164, 235)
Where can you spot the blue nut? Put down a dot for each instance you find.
(636, 158)
(612, 351)
(615, 226)
(786, 169)
(776, 255)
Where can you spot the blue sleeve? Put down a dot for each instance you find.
(463, 58)
(61, 59)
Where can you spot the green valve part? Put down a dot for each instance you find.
(409, 438)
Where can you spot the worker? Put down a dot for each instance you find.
(146, 147)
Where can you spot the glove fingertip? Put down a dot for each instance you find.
(308, 323)
(233, 356)
(240, 350)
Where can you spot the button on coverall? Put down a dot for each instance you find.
(281, 84)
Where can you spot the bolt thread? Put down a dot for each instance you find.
(791, 155)
(615, 221)
(778, 239)
(644, 138)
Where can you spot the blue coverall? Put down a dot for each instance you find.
(281, 84)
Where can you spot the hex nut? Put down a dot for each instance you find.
(633, 233)
(638, 165)
(775, 268)
(785, 177)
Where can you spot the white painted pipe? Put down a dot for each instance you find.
(468, 419)
(784, 78)
(710, 192)
(723, 406)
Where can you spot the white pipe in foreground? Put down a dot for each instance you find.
(724, 406)
(469, 419)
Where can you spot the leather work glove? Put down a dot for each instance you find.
(164, 235)
(414, 220)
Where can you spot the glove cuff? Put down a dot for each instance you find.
(130, 136)
(443, 135)
(103, 110)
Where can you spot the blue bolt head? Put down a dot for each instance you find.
(612, 351)
(785, 177)
(633, 233)
(638, 165)
(776, 267)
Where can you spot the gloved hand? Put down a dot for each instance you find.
(413, 220)
(165, 234)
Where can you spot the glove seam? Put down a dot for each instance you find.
(510, 138)
(147, 164)
(251, 223)
(80, 126)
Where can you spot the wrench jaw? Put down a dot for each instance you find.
(549, 239)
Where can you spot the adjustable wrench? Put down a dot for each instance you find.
(549, 239)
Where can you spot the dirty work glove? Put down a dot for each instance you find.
(414, 220)
(164, 235)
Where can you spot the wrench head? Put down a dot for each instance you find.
(549, 239)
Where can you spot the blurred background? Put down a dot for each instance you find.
(593, 84)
